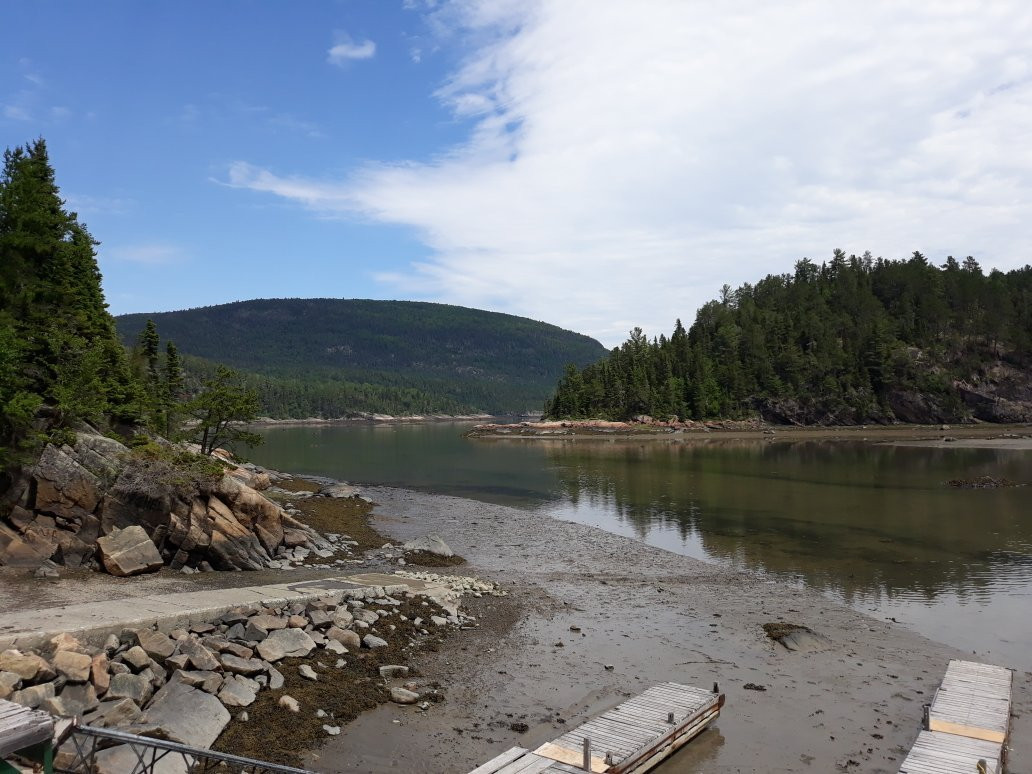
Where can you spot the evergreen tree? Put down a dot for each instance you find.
(838, 338)
(60, 358)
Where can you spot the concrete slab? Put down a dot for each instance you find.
(94, 621)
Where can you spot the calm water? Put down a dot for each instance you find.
(872, 526)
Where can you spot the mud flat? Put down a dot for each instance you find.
(583, 600)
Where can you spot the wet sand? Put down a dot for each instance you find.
(654, 616)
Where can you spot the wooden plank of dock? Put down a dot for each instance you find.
(631, 738)
(936, 752)
(21, 728)
(973, 701)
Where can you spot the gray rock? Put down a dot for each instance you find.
(345, 637)
(113, 714)
(74, 666)
(331, 730)
(275, 677)
(338, 491)
(403, 696)
(321, 618)
(243, 717)
(187, 715)
(290, 703)
(129, 551)
(28, 666)
(342, 618)
(178, 661)
(137, 658)
(236, 693)
(207, 681)
(235, 632)
(268, 622)
(241, 666)
(155, 644)
(307, 672)
(74, 701)
(34, 695)
(9, 682)
(366, 616)
(335, 647)
(282, 643)
(254, 632)
(200, 657)
(432, 544)
(129, 686)
(111, 644)
(372, 641)
(393, 670)
(118, 668)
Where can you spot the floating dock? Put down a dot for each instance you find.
(631, 738)
(967, 723)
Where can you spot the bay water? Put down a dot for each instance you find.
(872, 525)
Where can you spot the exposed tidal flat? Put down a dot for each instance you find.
(870, 523)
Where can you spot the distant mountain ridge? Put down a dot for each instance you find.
(328, 357)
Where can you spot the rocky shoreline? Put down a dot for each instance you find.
(649, 429)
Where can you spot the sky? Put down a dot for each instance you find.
(596, 164)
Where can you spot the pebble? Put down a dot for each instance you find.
(290, 703)
(307, 672)
(332, 730)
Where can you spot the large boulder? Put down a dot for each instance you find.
(129, 551)
(60, 508)
(431, 544)
(187, 715)
(63, 484)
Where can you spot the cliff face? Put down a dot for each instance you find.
(71, 506)
(998, 391)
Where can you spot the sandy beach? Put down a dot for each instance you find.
(654, 616)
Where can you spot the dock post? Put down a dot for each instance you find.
(982, 767)
(670, 718)
(587, 754)
(716, 688)
(925, 711)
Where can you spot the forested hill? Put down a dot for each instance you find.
(853, 340)
(328, 357)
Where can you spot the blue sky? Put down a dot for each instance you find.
(593, 163)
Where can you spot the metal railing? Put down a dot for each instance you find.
(143, 755)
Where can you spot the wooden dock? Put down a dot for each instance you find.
(631, 738)
(967, 723)
(27, 732)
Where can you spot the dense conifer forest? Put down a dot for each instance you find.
(62, 365)
(855, 339)
(330, 357)
(60, 357)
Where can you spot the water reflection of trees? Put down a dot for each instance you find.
(858, 519)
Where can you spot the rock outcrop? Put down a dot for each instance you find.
(95, 504)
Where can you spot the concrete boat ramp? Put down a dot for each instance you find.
(91, 621)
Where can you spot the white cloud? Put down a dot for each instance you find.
(17, 113)
(86, 205)
(626, 159)
(348, 49)
(153, 254)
